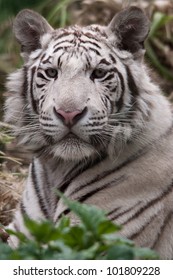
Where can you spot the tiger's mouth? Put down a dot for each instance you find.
(70, 135)
(72, 147)
(72, 139)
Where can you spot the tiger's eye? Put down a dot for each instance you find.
(51, 72)
(98, 74)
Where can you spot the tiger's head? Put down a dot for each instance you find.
(82, 90)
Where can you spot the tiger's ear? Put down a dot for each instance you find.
(28, 28)
(131, 28)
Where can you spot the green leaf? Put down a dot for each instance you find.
(19, 235)
(107, 226)
(88, 254)
(44, 231)
(120, 252)
(63, 223)
(75, 237)
(145, 254)
(5, 251)
(62, 251)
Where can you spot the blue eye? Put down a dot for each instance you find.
(51, 72)
(98, 74)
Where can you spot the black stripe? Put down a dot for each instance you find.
(41, 100)
(91, 36)
(22, 209)
(109, 77)
(49, 125)
(94, 50)
(115, 181)
(106, 101)
(90, 42)
(65, 212)
(118, 215)
(159, 234)
(40, 75)
(136, 234)
(46, 60)
(150, 204)
(113, 211)
(112, 58)
(61, 42)
(59, 62)
(33, 101)
(46, 118)
(24, 93)
(131, 83)
(73, 173)
(83, 198)
(64, 34)
(119, 103)
(35, 58)
(43, 56)
(77, 170)
(25, 83)
(134, 91)
(47, 185)
(88, 62)
(81, 41)
(40, 86)
(37, 190)
(104, 61)
(59, 48)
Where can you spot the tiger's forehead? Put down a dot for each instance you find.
(86, 43)
(95, 32)
(78, 39)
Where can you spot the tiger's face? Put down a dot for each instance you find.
(76, 84)
(77, 89)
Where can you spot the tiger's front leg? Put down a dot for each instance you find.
(35, 202)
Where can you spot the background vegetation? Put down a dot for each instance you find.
(159, 55)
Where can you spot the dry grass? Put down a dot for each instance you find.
(11, 186)
(12, 176)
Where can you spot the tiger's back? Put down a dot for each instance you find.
(100, 128)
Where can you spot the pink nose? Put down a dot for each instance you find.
(69, 118)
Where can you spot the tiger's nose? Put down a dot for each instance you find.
(70, 118)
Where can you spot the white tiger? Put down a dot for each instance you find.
(100, 129)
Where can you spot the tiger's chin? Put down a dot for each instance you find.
(73, 150)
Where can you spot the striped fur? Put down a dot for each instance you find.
(116, 152)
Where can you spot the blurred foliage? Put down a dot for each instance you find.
(95, 237)
(54, 10)
(160, 45)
